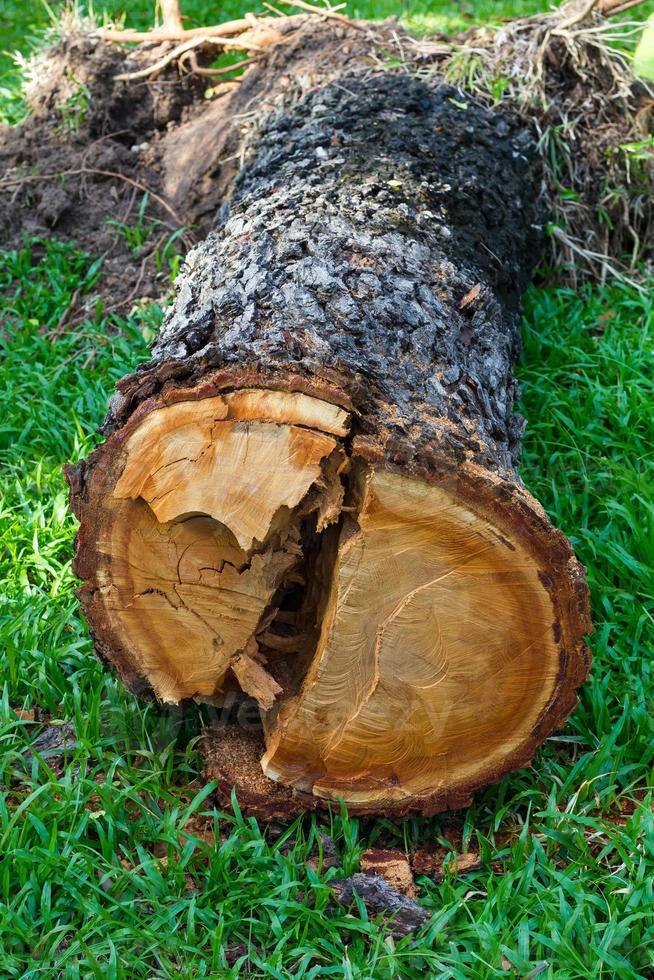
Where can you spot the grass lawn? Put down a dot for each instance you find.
(113, 862)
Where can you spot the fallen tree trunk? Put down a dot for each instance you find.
(310, 495)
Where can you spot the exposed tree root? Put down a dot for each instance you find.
(589, 139)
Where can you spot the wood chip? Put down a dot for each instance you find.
(438, 864)
(55, 740)
(393, 866)
(25, 714)
(470, 296)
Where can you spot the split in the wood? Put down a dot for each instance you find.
(399, 641)
(204, 536)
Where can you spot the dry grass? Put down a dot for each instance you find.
(571, 76)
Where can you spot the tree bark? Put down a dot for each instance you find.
(310, 494)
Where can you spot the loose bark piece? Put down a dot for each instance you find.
(310, 492)
(380, 898)
(54, 744)
(393, 866)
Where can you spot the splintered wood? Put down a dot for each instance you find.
(396, 642)
(202, 535)
(202, 458)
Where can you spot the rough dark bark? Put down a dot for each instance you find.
(383, 231)
(380, 898)
(372, 256)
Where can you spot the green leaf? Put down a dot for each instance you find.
(644, 54)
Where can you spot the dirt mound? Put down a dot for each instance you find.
(80, 161)
(79, 166)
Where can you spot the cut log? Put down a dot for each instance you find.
(310, 494)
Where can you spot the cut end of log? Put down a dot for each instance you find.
(407, 641)
(202, 537)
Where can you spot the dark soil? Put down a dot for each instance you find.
(56, 167)
(92, 146)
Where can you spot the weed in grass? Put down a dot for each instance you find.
(74, 108)
(137, 235)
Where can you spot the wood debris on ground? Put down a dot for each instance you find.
(380, 898)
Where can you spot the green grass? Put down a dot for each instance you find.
(109, 866)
